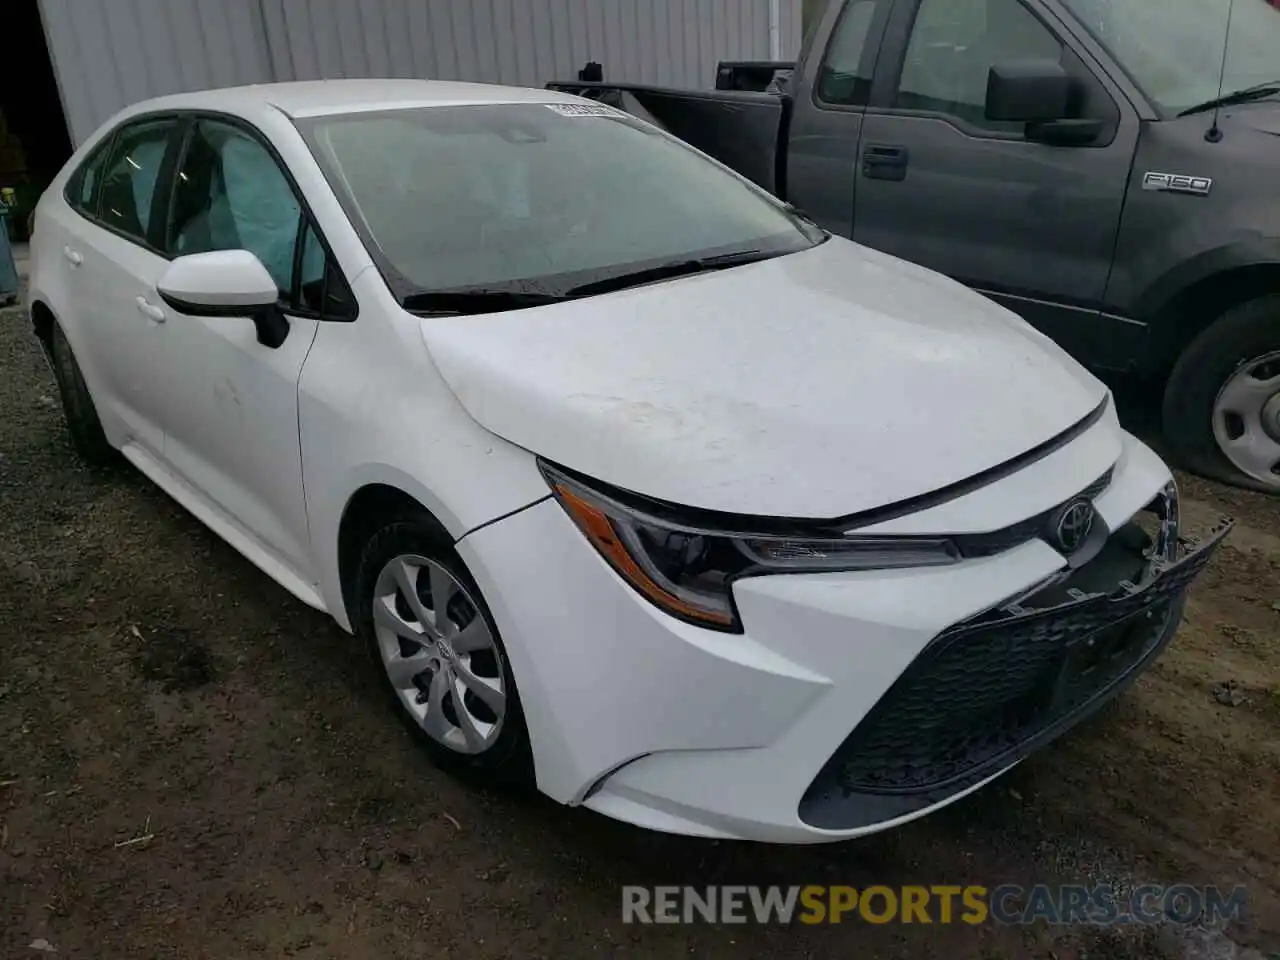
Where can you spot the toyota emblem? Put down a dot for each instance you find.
(1072, 526)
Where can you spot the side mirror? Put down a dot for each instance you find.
(226, 283)
(1028, 91)
(1038, 93)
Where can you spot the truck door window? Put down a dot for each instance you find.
(954, 44)
(845, 75)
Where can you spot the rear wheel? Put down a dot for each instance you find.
(445, 666)
(1222, 402)
(77, 405)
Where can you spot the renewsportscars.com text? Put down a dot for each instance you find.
(941, 904)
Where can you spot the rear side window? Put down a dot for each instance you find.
(131, 177)
(82, 188)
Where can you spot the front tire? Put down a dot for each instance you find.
(87, 436)
(1222, 402)
(442, 660)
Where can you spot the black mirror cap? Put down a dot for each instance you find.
(1028, 91)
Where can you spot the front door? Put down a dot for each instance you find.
(231, 410)
(1031, 224)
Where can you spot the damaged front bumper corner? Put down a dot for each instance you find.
(990, 690)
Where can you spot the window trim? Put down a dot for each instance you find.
(191, 118)
(166, 169)
(1055, 29)
(870, 60)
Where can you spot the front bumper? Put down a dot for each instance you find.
(991, 690)
(852, 703)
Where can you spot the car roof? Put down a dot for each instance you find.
(313, 98)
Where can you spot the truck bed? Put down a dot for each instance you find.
(742, 129)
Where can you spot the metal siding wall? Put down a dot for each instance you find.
(792, 28)
(525, 42)
(195, 44)
(112, 53)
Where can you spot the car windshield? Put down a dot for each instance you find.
(1174, 51)
(538, 199)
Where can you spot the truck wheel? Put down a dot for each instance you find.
(1222, 402)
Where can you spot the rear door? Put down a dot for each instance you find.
(57, 255)
(1030, 224)
(116, 260)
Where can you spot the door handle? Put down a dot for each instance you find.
(884, 162)
(150, 310)
(73, 258)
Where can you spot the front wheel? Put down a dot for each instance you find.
(1222, 402)
(444, 663)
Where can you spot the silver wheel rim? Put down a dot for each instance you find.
(1246, 418)
(439, 654)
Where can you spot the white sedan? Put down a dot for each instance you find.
(641, 487)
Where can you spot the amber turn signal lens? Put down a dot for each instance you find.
(599, 529)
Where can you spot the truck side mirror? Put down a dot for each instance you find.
(1038, 93)
(1028, 91)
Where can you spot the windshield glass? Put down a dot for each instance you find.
(536, 198)
(1174, 50)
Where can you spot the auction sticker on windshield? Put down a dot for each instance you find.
(584, 110)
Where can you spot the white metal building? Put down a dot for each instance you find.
(110, 53)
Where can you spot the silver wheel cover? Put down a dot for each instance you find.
(439, 654)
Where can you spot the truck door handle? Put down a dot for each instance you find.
(884, 162)
(73, 258)
(150, 310)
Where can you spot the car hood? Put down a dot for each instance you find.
(815, 385)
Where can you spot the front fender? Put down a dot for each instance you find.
(1170, 286)
(372, 409)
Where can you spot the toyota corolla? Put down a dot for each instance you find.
(640, 487)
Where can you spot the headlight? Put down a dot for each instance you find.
(687, 570)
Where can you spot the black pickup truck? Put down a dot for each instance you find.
(1110, 171)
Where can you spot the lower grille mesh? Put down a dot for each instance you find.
(990, 685)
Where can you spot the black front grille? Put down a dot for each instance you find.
(990, 689)
(998, 541)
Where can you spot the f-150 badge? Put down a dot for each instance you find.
(1177, 183)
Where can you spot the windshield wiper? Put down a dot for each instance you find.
(1256, 92)
(457, 302)
(669, 271)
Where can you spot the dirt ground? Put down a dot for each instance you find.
(153, 683)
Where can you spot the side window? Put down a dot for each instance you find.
(129, 182)
(845, 75)
(321, 287)
(954, 44)
(232, 195)
(83, 186)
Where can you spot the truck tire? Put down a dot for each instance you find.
(1222, 402)
(77, 405)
